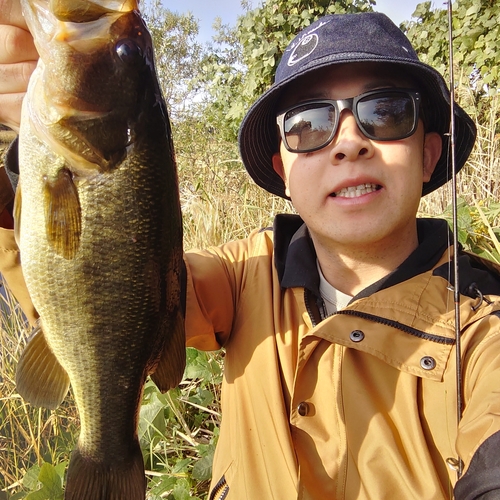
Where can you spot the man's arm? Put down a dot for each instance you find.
(482, 479)
(479, 430)
(18, 58)
(10, 262)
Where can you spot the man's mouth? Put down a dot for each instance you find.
(354, 191)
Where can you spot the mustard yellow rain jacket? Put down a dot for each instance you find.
(360, 405)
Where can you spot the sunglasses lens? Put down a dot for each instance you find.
(387, 117)
(309, 127)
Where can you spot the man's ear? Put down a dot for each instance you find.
(280, 170)
(433, 145)
(278, 165)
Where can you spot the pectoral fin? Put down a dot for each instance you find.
(170, 369)
(40, 379)
(63, 214)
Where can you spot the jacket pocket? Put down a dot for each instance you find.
(220, 490)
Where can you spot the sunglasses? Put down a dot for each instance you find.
(381, 115)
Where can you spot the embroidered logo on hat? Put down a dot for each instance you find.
(305, 46)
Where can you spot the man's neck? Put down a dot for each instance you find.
(352, 269)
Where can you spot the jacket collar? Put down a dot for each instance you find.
(295, 257)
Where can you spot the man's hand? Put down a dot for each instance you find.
(18, 57)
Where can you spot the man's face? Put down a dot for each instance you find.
(357, 191)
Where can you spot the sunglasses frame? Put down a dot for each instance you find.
(351, 104)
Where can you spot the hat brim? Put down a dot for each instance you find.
(259, 140)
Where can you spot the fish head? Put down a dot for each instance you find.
(95, 79)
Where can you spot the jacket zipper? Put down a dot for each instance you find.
(221, 490)
(399, 326)
(317, 317)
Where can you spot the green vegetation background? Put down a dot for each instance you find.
(208, 88)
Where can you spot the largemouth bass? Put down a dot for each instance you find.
(98, 223)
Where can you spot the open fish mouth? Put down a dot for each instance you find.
(84, 47)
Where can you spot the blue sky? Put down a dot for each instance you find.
(228, 10)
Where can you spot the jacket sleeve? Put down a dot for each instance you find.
(215, 280)
(10, 269)
(479, 431)
(482, 479)
(10, 264)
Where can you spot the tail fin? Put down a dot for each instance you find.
(119, 479)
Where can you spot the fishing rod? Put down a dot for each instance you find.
(456, 272)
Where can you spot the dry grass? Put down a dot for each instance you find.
(28, 435)
(219, 200)
(480, 177)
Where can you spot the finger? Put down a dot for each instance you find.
(11, 13)
(10, 110)
(16, 45)
(14, 78)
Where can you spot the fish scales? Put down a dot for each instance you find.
(99, 227)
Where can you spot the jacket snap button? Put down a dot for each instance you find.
(428, 363)
(357, 336)
(303, 409)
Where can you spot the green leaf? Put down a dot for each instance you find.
(203, 397)
(181, 466)
(148, 415)
(474, 9)
(52, 484)
(61, 468)
(197, 366)
(162, 485)
(202, 469)
(50, 477)
(17, 496)
(182, 490)
(30, 479)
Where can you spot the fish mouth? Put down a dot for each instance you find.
(82, 11)
(85, 48)
(355, 191)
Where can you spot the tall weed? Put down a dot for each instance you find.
(478, 186)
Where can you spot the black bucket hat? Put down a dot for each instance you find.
(345, 38)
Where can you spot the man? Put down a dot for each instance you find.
(338, 325)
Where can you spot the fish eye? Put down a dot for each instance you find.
(128, 51)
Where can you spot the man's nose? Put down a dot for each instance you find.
(349, 142)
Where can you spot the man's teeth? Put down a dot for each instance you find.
(353, 191)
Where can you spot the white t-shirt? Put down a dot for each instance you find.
(333, 298)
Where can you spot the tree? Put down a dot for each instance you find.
(261, 35)
(222, 76)
(178, 55)
(264, 33)
(476, 33)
